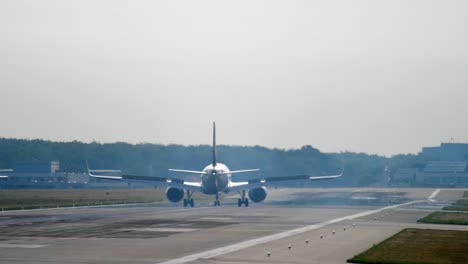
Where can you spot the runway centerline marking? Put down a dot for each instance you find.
(261, 240)
(160, 229)
(21, 246)
(215, 218)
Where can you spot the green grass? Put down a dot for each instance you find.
(455, 208)
(462, 202)
(16, 199)
(460, 205)
(418, 246)
(451, 218)
(465, 194)
(13, 199)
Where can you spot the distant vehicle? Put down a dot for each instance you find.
(215, 179)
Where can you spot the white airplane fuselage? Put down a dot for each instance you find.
(215, 179)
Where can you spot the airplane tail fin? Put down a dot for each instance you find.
(87, 167)
(214, 145)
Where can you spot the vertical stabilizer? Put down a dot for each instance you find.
(214, 145)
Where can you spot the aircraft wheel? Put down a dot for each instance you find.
(191, 203)
(239, 202)
(185, 202)
(246, 202)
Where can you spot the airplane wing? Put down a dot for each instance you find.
(3, 176)
(158, 181)
(277, 181)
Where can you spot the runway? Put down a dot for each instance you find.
(226, 234)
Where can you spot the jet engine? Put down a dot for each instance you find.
(258, 194)
(174, 194)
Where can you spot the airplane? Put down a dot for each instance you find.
(5, 170)
(215, 179)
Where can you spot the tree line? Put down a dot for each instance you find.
(361, 169)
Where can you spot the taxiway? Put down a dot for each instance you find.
(323, 226)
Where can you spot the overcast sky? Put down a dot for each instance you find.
(371, 76)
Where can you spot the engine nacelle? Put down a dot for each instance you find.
(258, 194)
(174, 195)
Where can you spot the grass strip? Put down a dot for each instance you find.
(460, 205)
(462, 202)
(449, 218)
(418, 246)
(17, 199)
(455, 208)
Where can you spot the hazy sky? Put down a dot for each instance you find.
(373, 76)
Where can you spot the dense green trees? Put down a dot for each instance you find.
(154, 159)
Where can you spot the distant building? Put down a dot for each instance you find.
(36, 166)
(435, 173)
(447, 168)
(77, 177)
(35, 173)
(446, 152)
(405, 176)
(445, 173)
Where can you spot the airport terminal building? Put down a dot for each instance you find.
(47, 174)
(446, 152)
(448, 167)
(41, 174)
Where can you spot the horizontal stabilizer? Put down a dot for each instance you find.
(187, 171)
(240, 171)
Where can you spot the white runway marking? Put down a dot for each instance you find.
(434, 194)
(253, 242)
(161, 229)
(21, 246)
(363, 198)
(215, 218)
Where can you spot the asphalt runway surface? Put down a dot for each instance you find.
(292, 226)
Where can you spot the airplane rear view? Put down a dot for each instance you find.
(215, 178)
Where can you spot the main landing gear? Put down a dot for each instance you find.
(189, 199)
(243, 200)
(216, 202)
